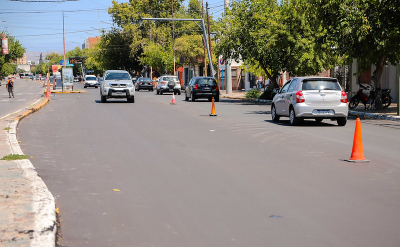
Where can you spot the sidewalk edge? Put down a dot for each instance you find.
(374, 115)
(44, 233)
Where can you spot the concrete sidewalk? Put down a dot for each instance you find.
(27, 208)
(389, 113)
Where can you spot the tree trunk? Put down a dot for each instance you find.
(272, 78)
(376, 78)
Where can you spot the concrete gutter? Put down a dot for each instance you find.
(43, 203)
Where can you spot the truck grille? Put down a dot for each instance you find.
(118, 85)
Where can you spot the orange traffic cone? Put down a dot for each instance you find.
(173, 99)
(213, 109)
(48, 92)
(357, 154)
(43, 82)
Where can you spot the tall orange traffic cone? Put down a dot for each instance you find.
(173, 99)
(357, 154)
(48, 91)
(213, 109)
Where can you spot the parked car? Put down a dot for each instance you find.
(144, 83)
(310, 98)
(90, 81)
(117, 84)
(168, 83)
(202, 87)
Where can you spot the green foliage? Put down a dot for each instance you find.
(158, 57)
(367, 30)
(277, 36)
(253, 94)
(14, 157)
(15, 51)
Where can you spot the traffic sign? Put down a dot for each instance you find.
(221, 64)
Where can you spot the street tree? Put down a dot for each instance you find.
(16, 50)
(278, 35)
(366, 30)
(158, 57)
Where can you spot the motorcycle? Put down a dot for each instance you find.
(369, 100)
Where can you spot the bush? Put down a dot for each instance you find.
(268, 94)
(253, 94)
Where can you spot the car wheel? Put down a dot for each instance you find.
(318, 120)
(186, 97)
(274, 116)
(95, 87)
(138, 89)
(103, 99)
(342, 121)
(84, 87)
(293, 119)
(193, 99)
(161, 92)
(179, 92)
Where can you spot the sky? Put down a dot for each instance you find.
(38, 25)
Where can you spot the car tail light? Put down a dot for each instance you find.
(299, 97)
(216, 87)
(343, 99)
(163, 82)
(195, 86)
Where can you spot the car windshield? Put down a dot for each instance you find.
(145, 80)
(117, 76)
(169, 78)
(207, 82)
(320, 85)
(90, 78)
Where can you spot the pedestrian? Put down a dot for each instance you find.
(10, 87)
(259, 82)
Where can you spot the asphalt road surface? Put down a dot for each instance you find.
(25, 91)
(187, 179)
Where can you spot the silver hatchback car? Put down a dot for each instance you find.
(310, 98)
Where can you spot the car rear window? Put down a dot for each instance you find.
(206, 81)
(169, 78)
(117, 76)
(320, 85)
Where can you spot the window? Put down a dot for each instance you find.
(206, 81)
(117, 76)
(320, 84)
(233, 73)
(285, 87)
(293, 85)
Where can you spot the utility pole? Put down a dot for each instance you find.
(228, 62)
(209, 37)
(173, 35)
(204, 44)
(64, 39)
(151, 68)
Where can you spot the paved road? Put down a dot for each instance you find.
(26, 92)
(188, 179)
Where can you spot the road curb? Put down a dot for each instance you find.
(32, 110)
(265, 101)
(44, 232)
(67, 92)
(374, 115)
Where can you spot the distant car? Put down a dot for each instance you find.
(168, 83)
(76, 79)
(90, 81)
(117, 84)
(310, 98)
(202, 87)
(144, 83)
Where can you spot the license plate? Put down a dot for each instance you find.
(206, 88)
(117, 92)
(323, 112)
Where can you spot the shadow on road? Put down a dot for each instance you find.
(306, 123)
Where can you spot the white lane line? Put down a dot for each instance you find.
(21, 100)
(3, 100)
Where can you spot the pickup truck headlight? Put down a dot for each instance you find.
(129, 85)
(106, 84)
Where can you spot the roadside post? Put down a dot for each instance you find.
(222, 66)
(398, 89)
